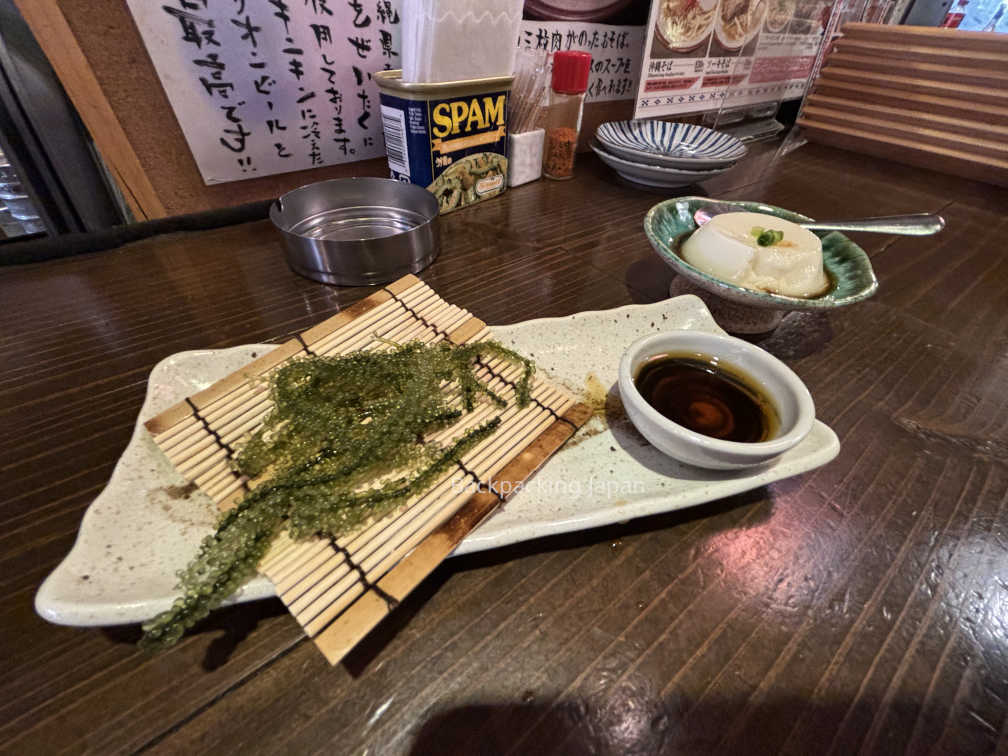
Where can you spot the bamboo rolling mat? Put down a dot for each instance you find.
(339, 589)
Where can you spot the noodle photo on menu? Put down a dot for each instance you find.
(809, 17)
(683, 25)
(739, 21)
(779, 14)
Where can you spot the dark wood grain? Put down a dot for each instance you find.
(860, 607)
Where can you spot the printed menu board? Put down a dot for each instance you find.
(702, 53)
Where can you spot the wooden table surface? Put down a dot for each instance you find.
(863, 606)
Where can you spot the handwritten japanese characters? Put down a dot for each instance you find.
(615, 50)
(269, 86)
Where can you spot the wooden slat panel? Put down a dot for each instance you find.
(931, 97)
(912, 69)
(953, 39)
(934, 158)
(922, 118)
(990, 95)
(887, 52)
(996, 148)
(903, 100)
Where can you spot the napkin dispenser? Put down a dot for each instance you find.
(456, 40)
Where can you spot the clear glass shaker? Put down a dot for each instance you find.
(563, 113)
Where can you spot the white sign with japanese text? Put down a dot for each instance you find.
(616, 53)
(269, 86)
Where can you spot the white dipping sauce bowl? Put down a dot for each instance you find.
(776, 380)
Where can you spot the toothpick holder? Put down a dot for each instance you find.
(525, 152)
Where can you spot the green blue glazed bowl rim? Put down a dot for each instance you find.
(854, 255)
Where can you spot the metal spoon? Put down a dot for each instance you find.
(915, 224)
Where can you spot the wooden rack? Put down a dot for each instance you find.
(934, 98)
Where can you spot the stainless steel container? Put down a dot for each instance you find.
(357, 231)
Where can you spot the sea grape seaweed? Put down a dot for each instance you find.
(343, 445)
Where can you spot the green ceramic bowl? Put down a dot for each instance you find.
(848, 267)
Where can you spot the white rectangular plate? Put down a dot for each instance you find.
(146, 525)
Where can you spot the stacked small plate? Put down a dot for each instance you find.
(663, 154)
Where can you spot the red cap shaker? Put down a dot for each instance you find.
(571, 71)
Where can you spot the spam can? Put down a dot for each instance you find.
(449, 137)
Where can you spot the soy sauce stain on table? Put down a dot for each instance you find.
(706, 396)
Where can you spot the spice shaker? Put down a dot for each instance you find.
(563, 114)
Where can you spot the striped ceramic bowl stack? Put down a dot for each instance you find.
(664, 154)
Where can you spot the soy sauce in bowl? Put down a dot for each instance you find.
(701, 394)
